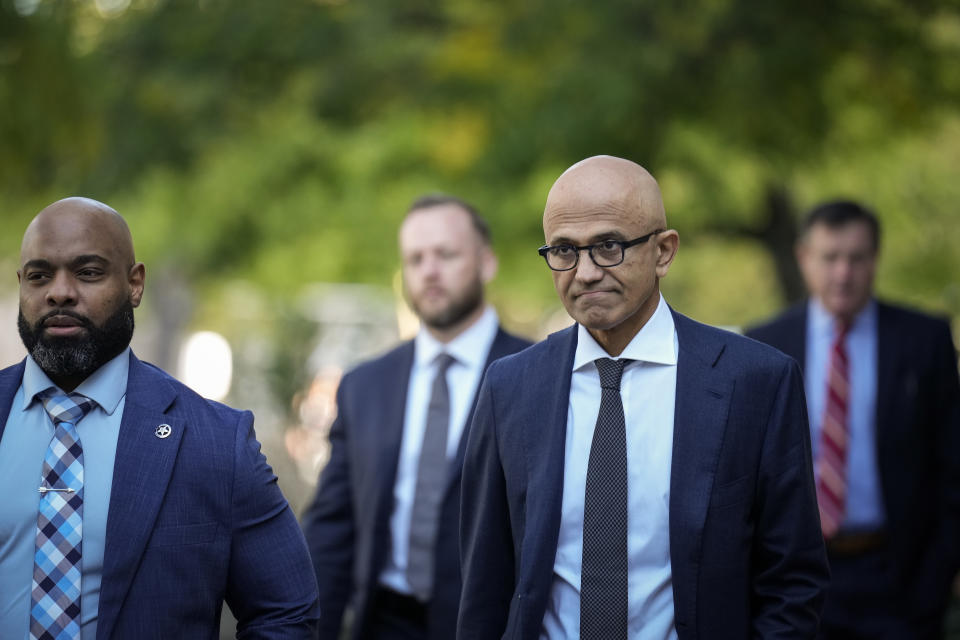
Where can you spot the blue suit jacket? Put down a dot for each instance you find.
(194, 519)
(348, 523)
(918, 443)
(745, 547)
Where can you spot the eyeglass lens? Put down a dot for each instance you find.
(604, 254)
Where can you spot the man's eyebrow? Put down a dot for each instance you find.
(36, 263)
(42, 263)
(600, 237)
(608, 235)
(87, 259)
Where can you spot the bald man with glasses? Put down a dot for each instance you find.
(636, 475)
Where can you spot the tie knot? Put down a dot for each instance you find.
(444, 360)
(65, 408)
(610, 372)
(840, 330)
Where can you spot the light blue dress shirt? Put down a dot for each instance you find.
(864, 508)
(22, 448)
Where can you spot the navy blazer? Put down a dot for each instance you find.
(195, 518)
(918, 443)
(746, 552)
(348, 523)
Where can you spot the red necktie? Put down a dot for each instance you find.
(834, 438)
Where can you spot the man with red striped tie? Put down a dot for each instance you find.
(884, 406)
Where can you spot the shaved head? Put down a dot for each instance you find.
(610, 182)
(72, 214)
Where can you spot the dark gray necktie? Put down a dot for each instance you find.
(431, 480)
(603, 576)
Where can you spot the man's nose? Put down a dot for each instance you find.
(62, 290)
(430, 266)
(842, 269)
(587, 270)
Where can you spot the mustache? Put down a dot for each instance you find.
(85, 321)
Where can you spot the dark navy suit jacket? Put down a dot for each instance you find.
(195, 518)
(745, 547)
(918, 443)
(348, 523)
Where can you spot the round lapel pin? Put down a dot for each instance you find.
(163, 431)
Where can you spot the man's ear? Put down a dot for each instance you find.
(800, 251)
(488, 264)
(668, 242)
(135, 279)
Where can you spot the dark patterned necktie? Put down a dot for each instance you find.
(431, 481)
(603, 575)
(55, 601)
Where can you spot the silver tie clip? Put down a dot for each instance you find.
(43, 490)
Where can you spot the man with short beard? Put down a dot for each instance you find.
(133, 508)
(383, 527)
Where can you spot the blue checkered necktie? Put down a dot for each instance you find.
(55, 606)
(604, 571)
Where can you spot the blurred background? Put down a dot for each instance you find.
(264, 154)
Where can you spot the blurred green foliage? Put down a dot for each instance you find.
(280, 142)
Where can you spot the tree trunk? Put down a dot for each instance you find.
(779, 236)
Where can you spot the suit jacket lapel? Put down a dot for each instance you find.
(388, 445)
(544, 440)
(700, 416)
(144, 463)
(797, 348)
(888, 356)
(10, 379)
(498, 349)
(788, 332)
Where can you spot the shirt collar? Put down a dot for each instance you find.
(470, 348)
(653, 343)
(106, 386)
(823, 323)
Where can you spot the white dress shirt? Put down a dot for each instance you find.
(470, 350)
(648, 389)
(864, 505)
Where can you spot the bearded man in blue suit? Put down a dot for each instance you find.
(637, 475)
(383, 526)
(137, 506)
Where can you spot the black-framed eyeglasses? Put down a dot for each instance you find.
(606, 253)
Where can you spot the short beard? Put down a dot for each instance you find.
(78, 357)
(457, 311)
